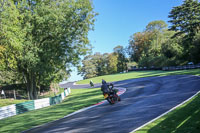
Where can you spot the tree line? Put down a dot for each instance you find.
(158, 45)
(40, 40)
(102, 64)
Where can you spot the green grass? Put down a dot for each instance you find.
(184, 119)
(6, 102)
(138, 74)
(79, 98)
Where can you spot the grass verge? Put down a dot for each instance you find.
(184, 119)
(5, 102)
(78, 99)
(139, 74)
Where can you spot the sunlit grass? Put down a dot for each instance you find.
(184, 119)
(78, 99)
(5, 102)
(138, 74)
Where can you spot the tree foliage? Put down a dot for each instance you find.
(89, 69)
(112, 63)
(43, 38)
(119, 51)
(99, 64)
(154, 46)
(185, 19)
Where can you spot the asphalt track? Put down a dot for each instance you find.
(144, 100)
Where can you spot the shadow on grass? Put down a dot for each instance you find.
(182, 120)
(166, 73)
(77, 100)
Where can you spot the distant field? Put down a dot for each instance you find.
(139, 74)
(5, 102)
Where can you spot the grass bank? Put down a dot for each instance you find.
(78, 99)
(5, 102)
(184, 119)
(139, 74)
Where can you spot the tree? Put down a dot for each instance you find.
(185, 19)
(112, 63)
(171, 47)
(156, 26)
(154, 46)
(48, 36)
(88, 70)
(195, 51)
(121, 58)
(11, 35)
(139, 45)
(101, 63)
(98, 65)
(94, 65)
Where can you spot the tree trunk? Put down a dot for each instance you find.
(30, 85)
(14, 94)
(35, 93)
(26, 78)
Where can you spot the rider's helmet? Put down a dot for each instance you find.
(103, 82)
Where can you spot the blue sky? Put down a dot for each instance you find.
(119, 19)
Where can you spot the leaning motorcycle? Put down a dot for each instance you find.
(112, 96)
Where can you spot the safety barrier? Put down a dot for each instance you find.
(7, 111)
(20, 108)
(41, 103)
(170, 68)
(186, 67)
(24, 107)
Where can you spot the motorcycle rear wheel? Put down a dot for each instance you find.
(119, 98)
(111, 101)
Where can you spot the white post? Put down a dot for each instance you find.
(3, 93)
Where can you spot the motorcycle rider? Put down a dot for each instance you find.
(106, 89)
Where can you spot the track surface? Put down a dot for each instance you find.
(145, 99)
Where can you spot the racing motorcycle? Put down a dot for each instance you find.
(112, 96)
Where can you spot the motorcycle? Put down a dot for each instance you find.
(112, 96)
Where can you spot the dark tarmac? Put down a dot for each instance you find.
(144, 100)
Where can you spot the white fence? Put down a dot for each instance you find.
(7, 111)
(15, 109)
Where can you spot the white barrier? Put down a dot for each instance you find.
(66, 92)
(7, 111)
(41, 103)
(69, 90)
(63, 96)
(11, 110)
